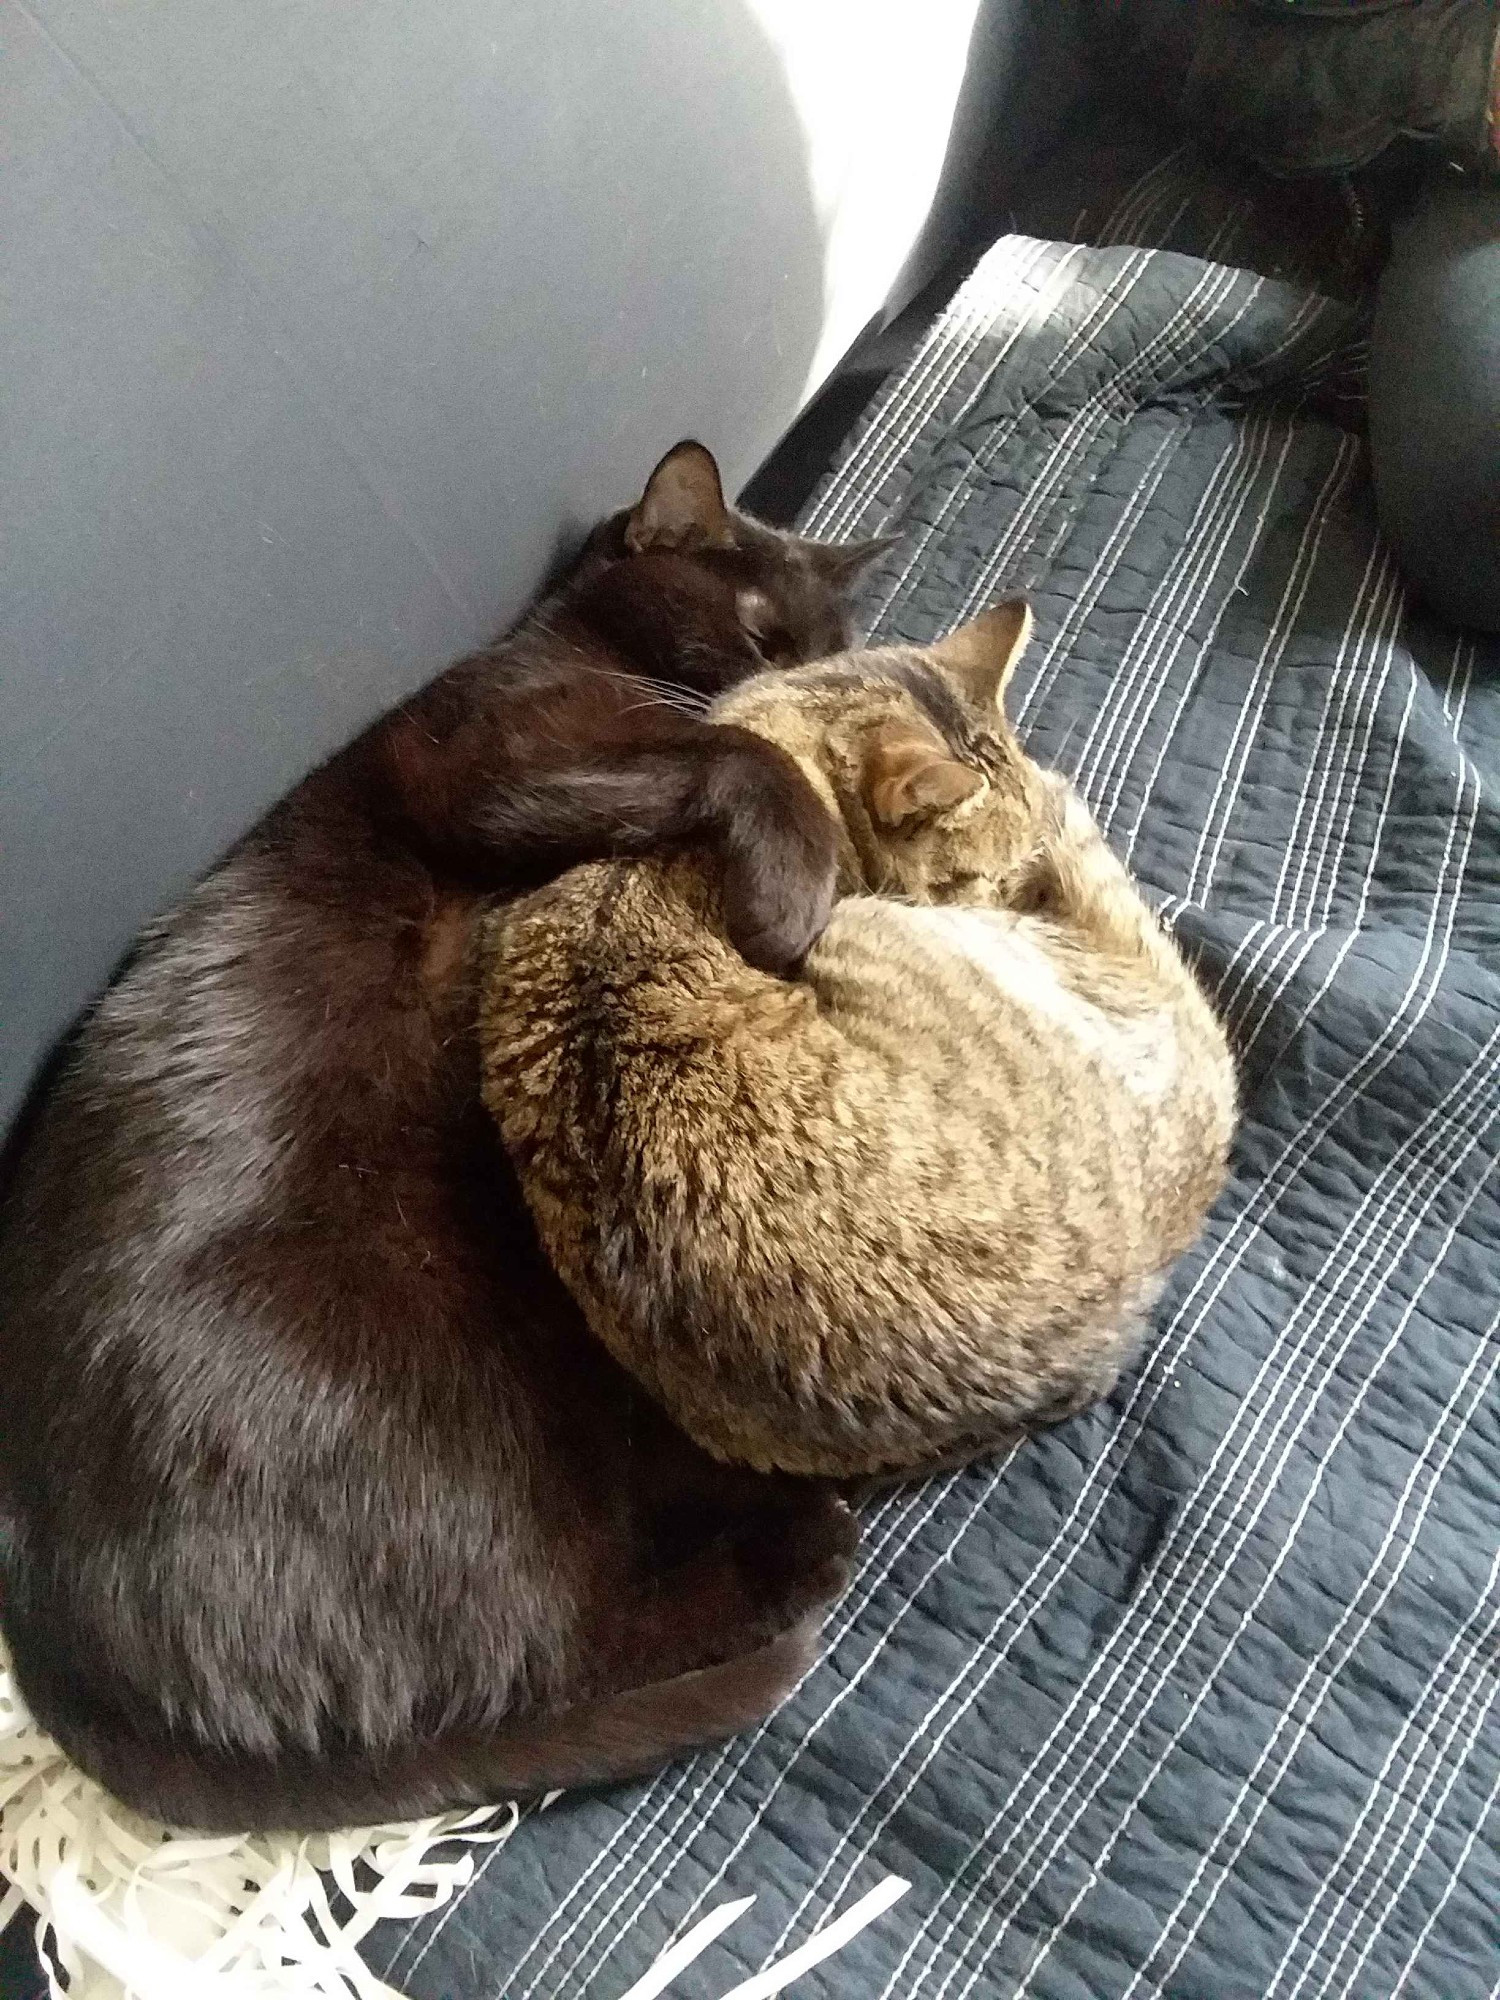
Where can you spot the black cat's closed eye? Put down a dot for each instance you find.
(760, 622)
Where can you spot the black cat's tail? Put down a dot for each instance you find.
(622, 1736)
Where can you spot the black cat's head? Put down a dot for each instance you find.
(692, 591)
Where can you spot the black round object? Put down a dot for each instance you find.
(1435, 400)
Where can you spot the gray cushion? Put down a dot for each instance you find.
(327, 325)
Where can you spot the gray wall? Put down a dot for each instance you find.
(327, 324)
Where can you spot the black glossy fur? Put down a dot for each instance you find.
(318, 1504)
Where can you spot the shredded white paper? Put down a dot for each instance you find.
(131, 1910)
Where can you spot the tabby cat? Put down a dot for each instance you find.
(318, 1505)
(899, 1210)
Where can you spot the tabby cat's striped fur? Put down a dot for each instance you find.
(918, 1199)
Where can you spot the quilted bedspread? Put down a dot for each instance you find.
(1197, 1694)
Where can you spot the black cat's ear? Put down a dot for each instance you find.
(910, 774)
(980, 657)
(839, 563)
(683, 504)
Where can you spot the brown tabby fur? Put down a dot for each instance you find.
(898, 1210)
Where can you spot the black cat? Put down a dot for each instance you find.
(318, 1505)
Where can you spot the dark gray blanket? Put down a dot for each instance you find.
(1197, 1694)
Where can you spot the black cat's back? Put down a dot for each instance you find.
(273, 1358)
(318, 1504)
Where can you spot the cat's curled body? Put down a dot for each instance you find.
(318, 1505)
(918, 1201)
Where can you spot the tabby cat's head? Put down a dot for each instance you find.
(911, 747)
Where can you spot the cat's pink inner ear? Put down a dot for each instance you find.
(683, 504)
(909, 775)
(980, 657)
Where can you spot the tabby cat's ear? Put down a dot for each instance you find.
(909, 774)
(980, 657)
(683, 504)
(839, 563)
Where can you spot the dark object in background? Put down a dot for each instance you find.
(1357, 97)
(1326, 86)
(319, 1506)
(1317, 86)
(1435, 399)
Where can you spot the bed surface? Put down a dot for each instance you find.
(1196, 1694)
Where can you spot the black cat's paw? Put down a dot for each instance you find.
(800, 1558)
(773, 926)
(780, 850)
